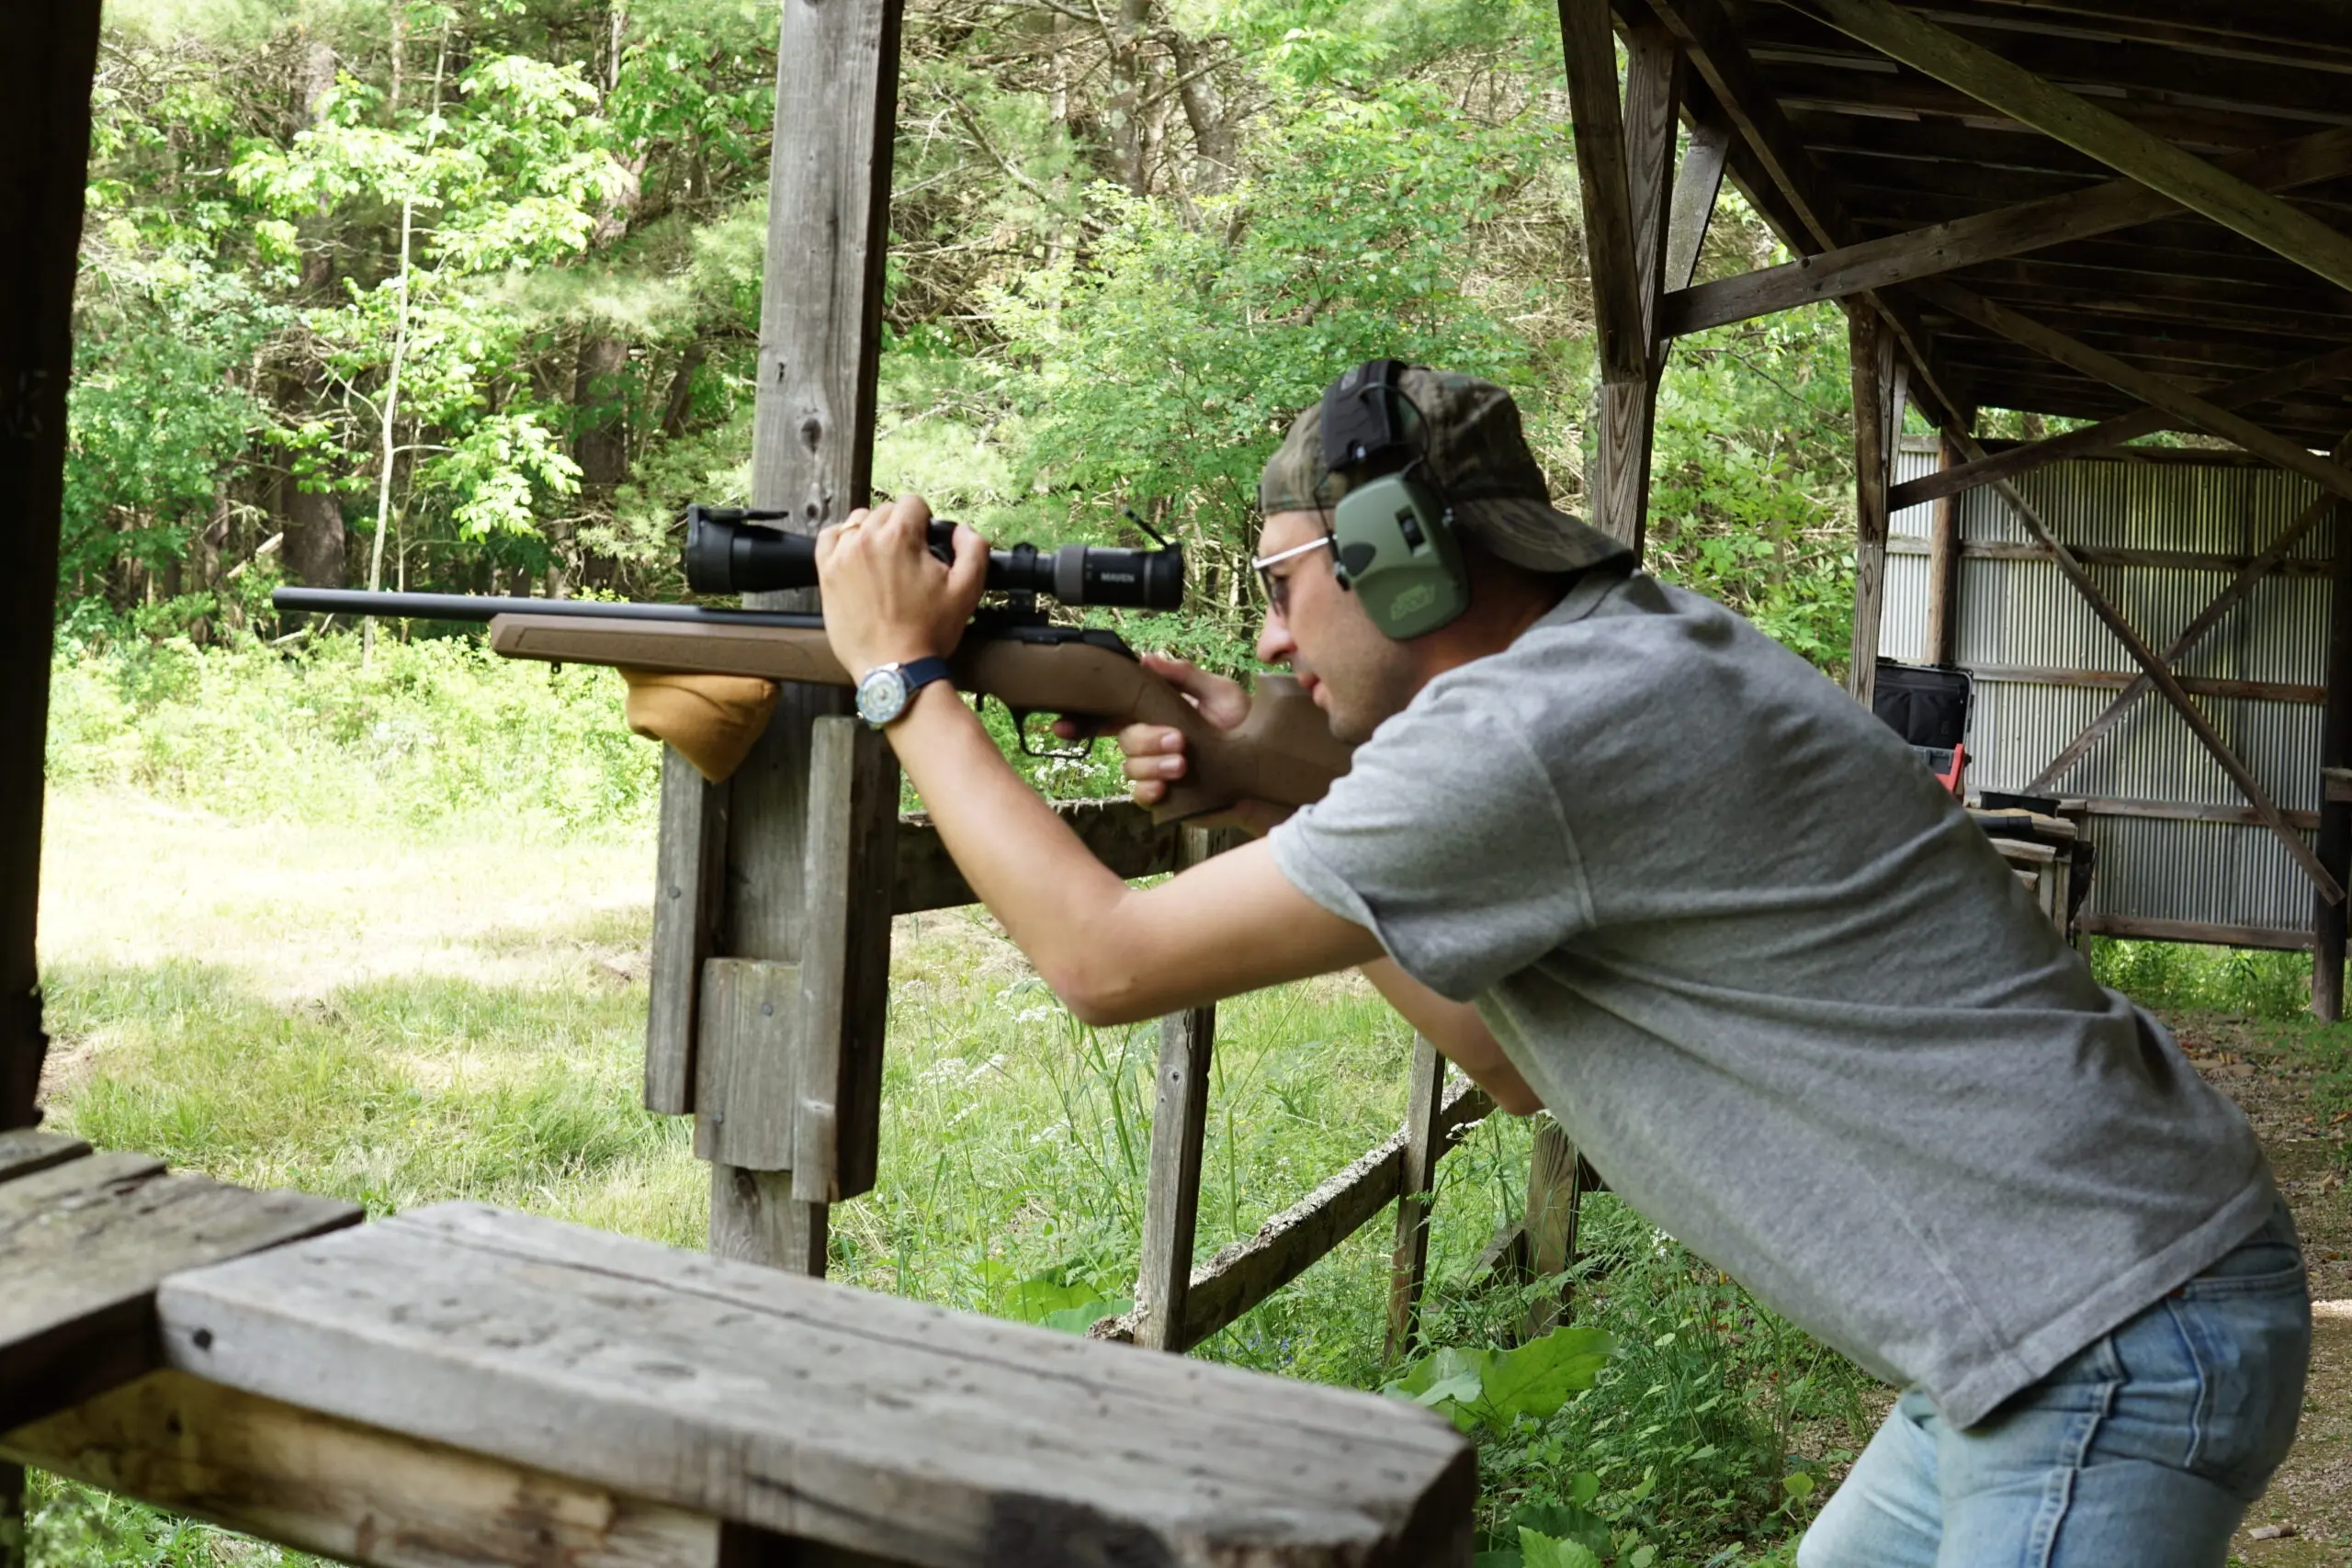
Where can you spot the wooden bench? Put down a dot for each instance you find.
(462, 1385)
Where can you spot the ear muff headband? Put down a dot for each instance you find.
(1392, 533)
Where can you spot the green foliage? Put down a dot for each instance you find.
(1497, 1388)
(2179, 977)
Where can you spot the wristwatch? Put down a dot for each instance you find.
(883, 692)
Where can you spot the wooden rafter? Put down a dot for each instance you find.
(1966, 241)
(1696, 187)
(2156, 390)
(2228, 599)
(2112, 433)
(2160, 674)
(2113, 140)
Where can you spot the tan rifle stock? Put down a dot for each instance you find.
(1282, 752)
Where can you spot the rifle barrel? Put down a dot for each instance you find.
(483, 607)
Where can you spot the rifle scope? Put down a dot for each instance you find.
(728, 552)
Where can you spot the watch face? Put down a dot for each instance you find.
(882, 695)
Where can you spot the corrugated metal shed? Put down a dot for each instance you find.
(2046, 668)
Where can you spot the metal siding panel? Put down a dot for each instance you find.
(2022, 612)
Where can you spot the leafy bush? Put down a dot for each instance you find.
(2178, 977)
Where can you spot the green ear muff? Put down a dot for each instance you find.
(1396, 550)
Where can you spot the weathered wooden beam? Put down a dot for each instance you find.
(2328, 920)
(25, 1151)
(2156, 390)
(1590, 49)
(1416, 1183)
(83, 1247)
(45, 129)
(2122, 146)
(845, 959)
(1697, 184)
(1878, 418)
(2108, 555)
(2147, 928)
(689, 884)
(812, 447)
(2229, 598)
(1944, 554)
(1966, 241)
(2111, 433)
(857, 1420)
(350, 1492)
(2289, 692)
(2159, 673)
(1179, 1112)
(2188, 811)
(1555, 1192)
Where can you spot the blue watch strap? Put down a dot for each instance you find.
(922, 672)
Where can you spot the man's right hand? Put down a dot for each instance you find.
(1153, 754)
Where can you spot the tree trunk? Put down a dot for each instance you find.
(315, 548)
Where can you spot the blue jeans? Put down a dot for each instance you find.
(2142, 1451)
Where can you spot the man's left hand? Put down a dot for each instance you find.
(888, 599)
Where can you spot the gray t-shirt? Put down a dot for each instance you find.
(1783, 993)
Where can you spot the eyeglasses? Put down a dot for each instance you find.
(1278, 587)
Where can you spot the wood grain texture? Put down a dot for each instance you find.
(1245, 1273)
(2124, 146)
(2152, 389)
(2112, 433)
(2277, 938)
(24, 1151)
(83, 1245)
(1944, 556)
(1555, 1192)
(1416, 1183)
(45, 130)
(867, 1422)
(1877, 417)
(1982, 237)
(1180, 1112)
(1121, 833)
(1590, 51)
(1696, 187)
(347, 1490)
(748, 1041)
(845, 960)
(689, 880)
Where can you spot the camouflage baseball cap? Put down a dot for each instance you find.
(1478, 457)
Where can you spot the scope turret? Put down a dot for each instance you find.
(728, 552)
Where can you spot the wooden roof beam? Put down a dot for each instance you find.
(2156, 391)
(2145, 420)
(2122, 146)
(1712, 45)
(1966, 241)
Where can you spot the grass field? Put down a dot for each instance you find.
(416, 972)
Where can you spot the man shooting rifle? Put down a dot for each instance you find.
(1616, 853)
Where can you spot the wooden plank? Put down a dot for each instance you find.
(45, 129)
(1417, 1181)
(689, 881)
(346, 1491)
(83, 1245)
(864, 1421)
(1877, 420)
(2335, 784)
(1179, 1127)
(845, 959)
(1944, 552)
(2206, 619)
(2094, 555)
(2124, 146)
(1121, 833)
(1246, 1272)
(1555, 1192)
(748, 1042)
(813, 444)
(2154, 390)
(2166, 681)
(2144, 928)
(2188, 811)
(1966, 241)
(24, 1151)
(1590, 51)
(2334, 850)
(1697, 184)
(2123, 680)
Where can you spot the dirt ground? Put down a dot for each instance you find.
(2311, 1501)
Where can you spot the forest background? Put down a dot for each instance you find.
(464, 297)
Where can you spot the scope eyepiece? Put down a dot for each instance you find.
(726, 555)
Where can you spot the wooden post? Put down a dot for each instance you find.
(44, 163)
(828, 193)
(1876, 421)
(1943, 570)
(1416, 1184)
(2335, 815)
(1179, 1112)
(1555, 1186)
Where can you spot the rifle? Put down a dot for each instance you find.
(1282, 751)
